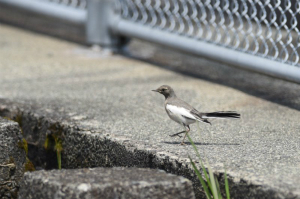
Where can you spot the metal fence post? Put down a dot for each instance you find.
(100, 14)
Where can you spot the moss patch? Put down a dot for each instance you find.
(23, 145)
(28, 165)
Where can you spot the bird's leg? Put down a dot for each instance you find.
(177, 134)
(187, 131)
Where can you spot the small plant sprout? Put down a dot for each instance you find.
(54, 142)
(58, 148)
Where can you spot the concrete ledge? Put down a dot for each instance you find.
(83, 149)
(105, 183)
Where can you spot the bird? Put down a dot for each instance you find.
(184, 114)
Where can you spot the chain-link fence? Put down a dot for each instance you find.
(262, 35)
(265, 28)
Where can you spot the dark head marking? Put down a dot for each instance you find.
(165, 90)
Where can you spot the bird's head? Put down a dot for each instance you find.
(165, 90)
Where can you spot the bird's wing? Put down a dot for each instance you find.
(197, 114)
(180, 111)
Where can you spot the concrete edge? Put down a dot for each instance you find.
(116, 151)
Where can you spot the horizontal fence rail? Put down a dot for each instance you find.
(261, 35)
(238, 58)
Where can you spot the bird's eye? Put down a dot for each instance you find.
(163, 89)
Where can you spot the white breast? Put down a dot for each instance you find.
(180, 115)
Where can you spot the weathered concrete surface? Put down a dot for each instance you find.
(105, 183)
(105, 106)
(12, 158)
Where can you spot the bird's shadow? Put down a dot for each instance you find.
(203, 143)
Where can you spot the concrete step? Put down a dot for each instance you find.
(105, 183)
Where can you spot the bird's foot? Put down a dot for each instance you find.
(182, 143)
(175, 135)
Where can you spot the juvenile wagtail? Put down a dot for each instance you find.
(184, 114)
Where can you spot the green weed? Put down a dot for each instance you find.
(209, 183)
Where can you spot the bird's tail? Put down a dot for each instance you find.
(222, 115)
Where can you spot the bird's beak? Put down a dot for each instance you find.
(155, 90)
